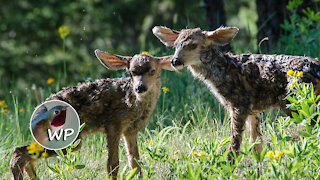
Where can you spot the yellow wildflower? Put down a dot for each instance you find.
(89, 63)
(299, 73)
(45, 155)
(34, 148)
(175, 157)
(201, 154)
(63, 31)
(194, 153)
(150, 142)
(177, 152)
(278, 154)
(144, 52)
(21, 110)
(31, 151)
(290, 72)
(4, 104)
(165, 89)
(290, 86)
(270, 154)
(50, 81)
(4, 111)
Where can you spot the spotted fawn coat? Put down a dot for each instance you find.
(120, 106)
(245, 84)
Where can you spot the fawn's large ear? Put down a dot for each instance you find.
(113, 62)
(165, 35)
(222, 35)
(165, 63)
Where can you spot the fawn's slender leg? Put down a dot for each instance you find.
(132, 149)
(21, 160)
(238, 119)
(253, 126)
(113, 139)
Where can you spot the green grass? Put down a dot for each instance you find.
(189, 132)
(190, 123)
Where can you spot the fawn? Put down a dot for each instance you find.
(245, 84)
(120, 106)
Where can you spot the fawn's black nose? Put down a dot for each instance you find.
(141, 88)
(176, 62)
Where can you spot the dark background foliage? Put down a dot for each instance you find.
(31, 50)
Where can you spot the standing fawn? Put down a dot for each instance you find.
(120, 106)
(245, 84)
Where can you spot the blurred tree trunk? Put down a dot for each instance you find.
(215, 13)
(271, 14)
(216, 16)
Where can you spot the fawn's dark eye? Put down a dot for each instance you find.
(152, 72)
(192, 46)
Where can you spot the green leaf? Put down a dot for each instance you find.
(312, 109)
(132, 173)
(82, 126)
(184, 130)
(305, 108)
(53, 169)
(80, 166)
(190, 170)
(287, 138)
(308, 128)
(304, 133)
(68, 168)
(274, 170)
(60, 153)
(263, 153)
(256, 156)
(57, 168)
(296, 118)
(76, 143)
(291, 99)
(273, 138)
(225, 141)
(303, 112)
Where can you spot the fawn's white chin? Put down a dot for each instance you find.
(139, 95)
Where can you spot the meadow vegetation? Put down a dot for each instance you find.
(189, 132)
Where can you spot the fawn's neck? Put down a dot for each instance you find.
(213, 65)
(214, 72)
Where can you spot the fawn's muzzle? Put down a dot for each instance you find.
(141, 88)
(176, 62)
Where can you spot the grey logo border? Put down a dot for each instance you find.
(78, 130)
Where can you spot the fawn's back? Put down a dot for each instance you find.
(102, 103)
(264, 77)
